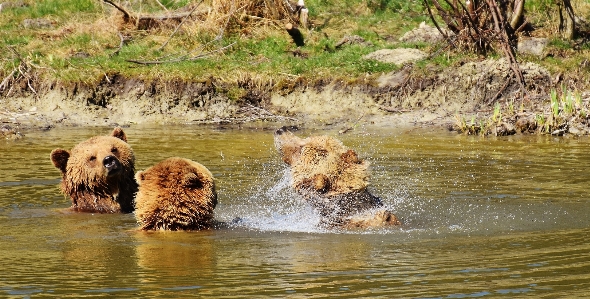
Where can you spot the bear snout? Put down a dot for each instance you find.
(281, 130)
(112, 164)
(285, 129)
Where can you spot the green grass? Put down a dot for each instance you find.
(265, 50)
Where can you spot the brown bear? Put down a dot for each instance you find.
(98, 174)
(333, 180)
(175, 194)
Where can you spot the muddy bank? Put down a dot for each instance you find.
(125, 101)
(402, 98)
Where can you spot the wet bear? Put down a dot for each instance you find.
(98, 174)
(333, 180)
(175, 194)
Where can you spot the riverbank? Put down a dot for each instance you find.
(469, 98)
(83, 67)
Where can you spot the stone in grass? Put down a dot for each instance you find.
(532, 45)
(398, 56)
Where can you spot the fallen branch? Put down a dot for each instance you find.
(180, 59)
(121, 43)
(391, 109)
(126, 15)
(6, 82)
(146, 22)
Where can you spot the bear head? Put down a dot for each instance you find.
(175, 194)
(98, 174)
(333, 180)
(321, 164)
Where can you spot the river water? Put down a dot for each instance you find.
(483, 217)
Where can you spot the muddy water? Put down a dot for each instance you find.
(495, 217)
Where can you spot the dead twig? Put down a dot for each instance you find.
(6, 82)
(345, 130)
(391, 109)
(161, 5)
(23, 69)
(181, 59)
(257, 113)
(178, 27)
(126, 15)
(507, 41)
(121, 43)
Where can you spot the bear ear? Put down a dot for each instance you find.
(60, 157)
(118, 133)
(139, 177)
(192, 180)
(291, 153)
(318, 183)
(321, 183)
(350, 157)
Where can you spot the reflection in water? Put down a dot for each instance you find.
(175, 253)
(484, 217)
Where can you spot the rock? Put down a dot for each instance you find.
(348, 40)
(393, 79)
(424, 33)
(532, 45)
(37, 23)
(398, 56)
(8, 132)
(526, 124)
(559, 132)
(574, 131)
(504, 129)
(12, 4)
(80, 54)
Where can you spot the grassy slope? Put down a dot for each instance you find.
(79, 46)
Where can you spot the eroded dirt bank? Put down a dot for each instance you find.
(403, 98)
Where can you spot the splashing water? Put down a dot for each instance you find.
(279, 208)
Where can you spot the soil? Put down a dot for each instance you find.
(403, 98)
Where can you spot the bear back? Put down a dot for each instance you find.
(175, 194)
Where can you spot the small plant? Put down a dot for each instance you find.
(569, 105)
(554, 103)
(578, 99)
(540, 119)
(511, 107)
(460, 123)
(497, 117)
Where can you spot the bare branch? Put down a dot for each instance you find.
(121, 43)
(178, 27)
(181, 59)
(126, 15)
(161, 5)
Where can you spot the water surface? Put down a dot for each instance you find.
(484, 217)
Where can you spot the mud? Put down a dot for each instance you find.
(403, 98)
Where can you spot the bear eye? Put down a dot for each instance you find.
(92, 158)
(114, 150)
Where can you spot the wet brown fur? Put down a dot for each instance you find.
(88, 183)
(175, 194)
(333, 180)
